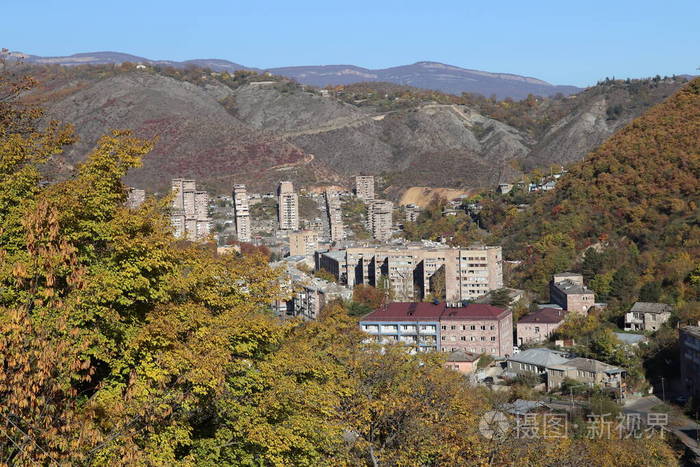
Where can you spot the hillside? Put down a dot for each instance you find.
(635, 200)
(258, 129)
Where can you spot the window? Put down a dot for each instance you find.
(464, 338)
(483, 328)
(444, 328)
(472, 327)
(493, 338)
(464, 328)
(537, 329)
(483, 338)
(492, 328)
(442, 338)
(453, 327)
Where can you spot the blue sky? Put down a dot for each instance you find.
(563, 42)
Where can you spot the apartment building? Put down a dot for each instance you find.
(287, 207)
(477, 328)
(412, 212)
(364, 187)
(316, 293)
(416, 324)
(335, 215)
(473, 328)
(334, 262)
(241, 213)
(303, 242)
(415, 272)
(539, 325)
(646, 316)
(568, 291)
(689, 345)
(190, 210)
(379, 219)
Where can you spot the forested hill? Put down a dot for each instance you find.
(635, 201)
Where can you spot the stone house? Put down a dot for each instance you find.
(535, 361)
(585, 370)
(646, 316)
(568, 291)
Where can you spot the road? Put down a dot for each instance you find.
(683, 427)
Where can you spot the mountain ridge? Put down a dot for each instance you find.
(423, 74)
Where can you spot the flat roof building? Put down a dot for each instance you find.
(417, 272)
(287, 207)
(241, 213)
(568, 291)
(380, 219)
(364, 187)
(303, 242)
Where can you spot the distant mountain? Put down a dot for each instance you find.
(105, 58)
(426, 75)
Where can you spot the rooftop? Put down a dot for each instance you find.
(403, 311)
(462, 356)
(540, 357)
(588, 364)
(544, 315)
(568, 287)
(630, 339)
(420, 311)
(648, 307)
(474, 311)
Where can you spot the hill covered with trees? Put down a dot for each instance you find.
(626, 216)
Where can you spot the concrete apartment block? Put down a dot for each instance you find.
(364, 187)
(379, 216)
(335, 215)
(415, 272)
(303, 242)
(287, 206)
(190, 210)
(241, 212)
(333, 261)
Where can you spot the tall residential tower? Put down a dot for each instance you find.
(287, 206)
(241, 213)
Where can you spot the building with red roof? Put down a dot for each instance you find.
(539, 325)
(477, 328)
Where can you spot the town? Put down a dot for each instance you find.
(432, 296)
